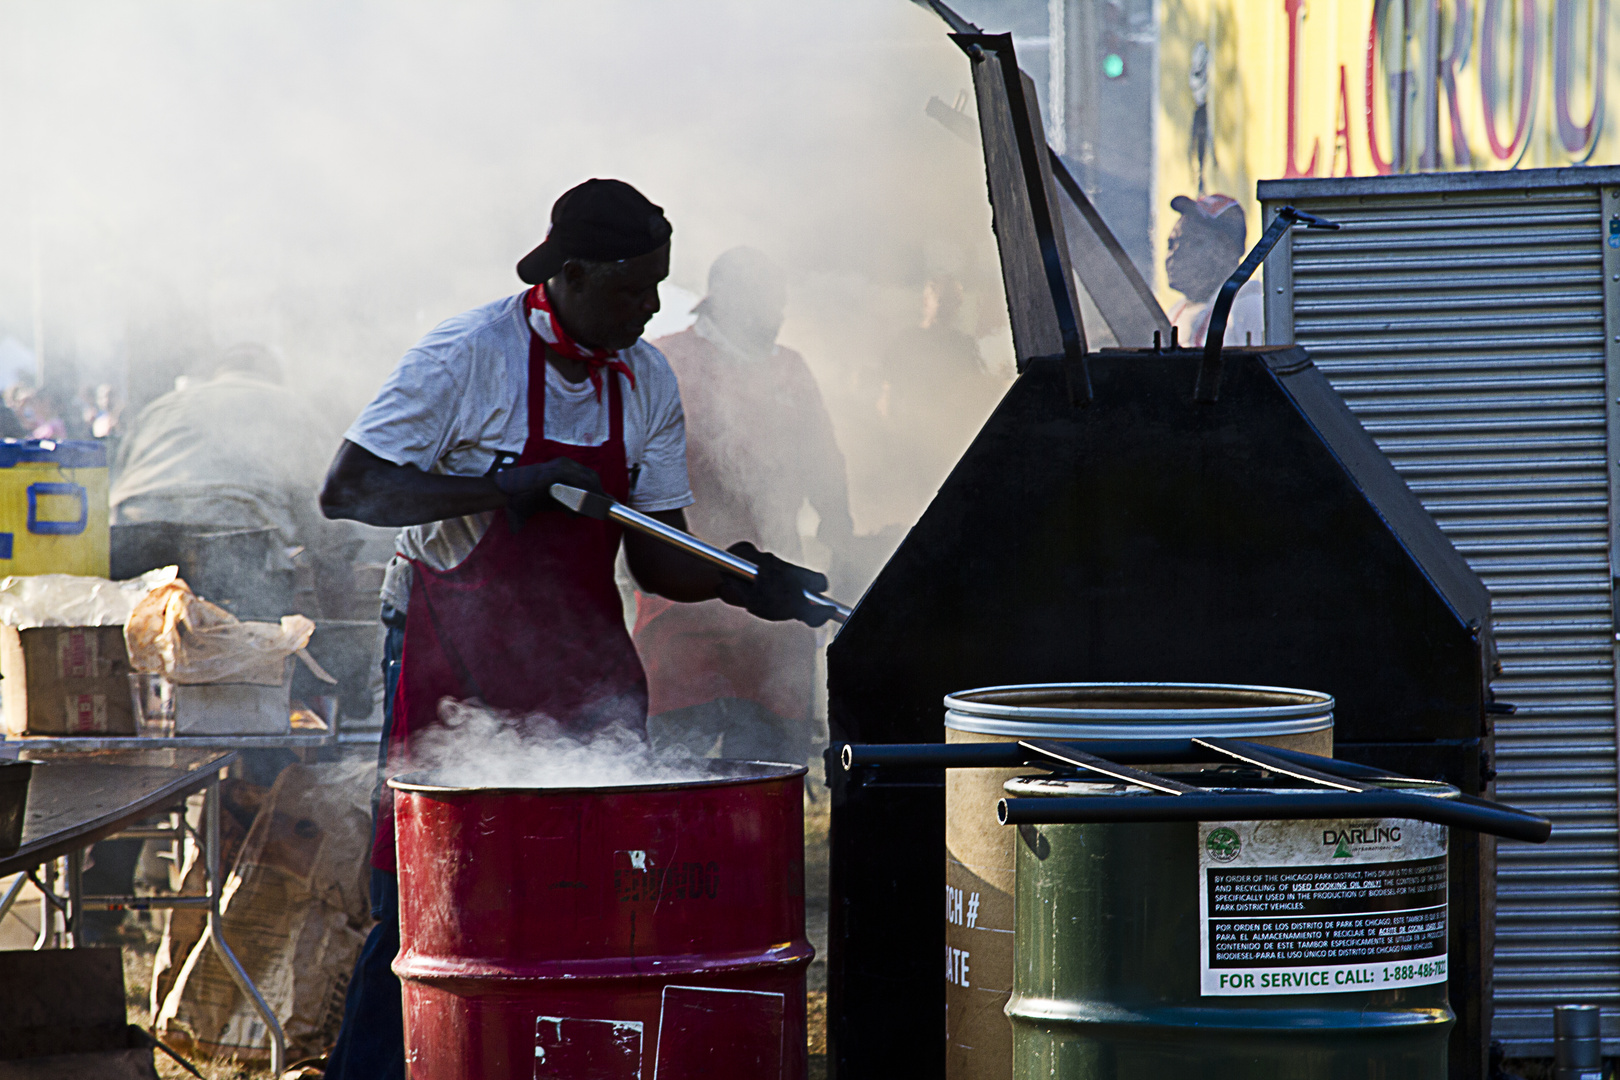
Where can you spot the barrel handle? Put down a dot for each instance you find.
(1460, 811)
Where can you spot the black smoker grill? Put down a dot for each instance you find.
(1106, 526)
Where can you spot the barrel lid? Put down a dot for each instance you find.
(711, 772)
(1138, 710)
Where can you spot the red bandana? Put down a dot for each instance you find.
(537, 305)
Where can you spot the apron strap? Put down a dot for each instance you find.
(615, 407)
(469, 682)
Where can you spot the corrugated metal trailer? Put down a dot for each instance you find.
(1472, 323)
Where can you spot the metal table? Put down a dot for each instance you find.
(75, 803)
(53, 744)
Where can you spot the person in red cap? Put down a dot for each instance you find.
(1205, 246)
(497, 593)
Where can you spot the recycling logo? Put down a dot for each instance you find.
(1223, 844)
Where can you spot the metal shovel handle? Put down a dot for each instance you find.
(603, 508)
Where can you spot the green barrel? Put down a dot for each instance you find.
(979, 852)
(1108, 982)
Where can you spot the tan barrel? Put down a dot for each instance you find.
(979, 863)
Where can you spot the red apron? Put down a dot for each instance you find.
(530, 622)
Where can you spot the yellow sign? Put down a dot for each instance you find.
(1254, 90)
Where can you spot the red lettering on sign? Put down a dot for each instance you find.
(1462, 39)
(1579, 139)
(1380, 164)
(1295, 9)
(1342, 131)
(1492, 86)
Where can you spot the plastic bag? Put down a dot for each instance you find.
(175, 632)
(70, 600)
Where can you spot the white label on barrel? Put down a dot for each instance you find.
(568, 1046)
(1320, 907)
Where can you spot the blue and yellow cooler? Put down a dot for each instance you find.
(53, 508)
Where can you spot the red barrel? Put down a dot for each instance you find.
(648, 932)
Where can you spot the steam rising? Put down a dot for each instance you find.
(475, 747)
(334, 179)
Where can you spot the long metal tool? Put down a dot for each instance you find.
(603, 508)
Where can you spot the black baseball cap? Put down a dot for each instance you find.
(600, 220)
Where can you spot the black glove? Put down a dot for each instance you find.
(528, 487)
(777, 594)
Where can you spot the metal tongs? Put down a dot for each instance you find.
(603, 508)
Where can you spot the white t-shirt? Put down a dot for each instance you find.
(1245, 324)
(218, 454)
(460, 396)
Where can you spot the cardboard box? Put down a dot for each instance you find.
(234, 708)
(70, 680)
(62, 1017)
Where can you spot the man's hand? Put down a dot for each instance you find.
(360, 486)
(528, 487)
(777, 594)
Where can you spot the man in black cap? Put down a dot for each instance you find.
(497, 594)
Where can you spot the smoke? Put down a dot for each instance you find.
(477, 747)
(332, 179)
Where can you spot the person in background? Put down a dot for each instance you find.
(11, 425)
(935, 367)
(235, 451)
(498, 592)
(927, 397)
(48, 412)
(102, 408)
(1205, 246)
(760, 447)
